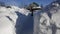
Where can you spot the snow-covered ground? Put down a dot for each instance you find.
(50, 19)
(17, 20)
(10, 17)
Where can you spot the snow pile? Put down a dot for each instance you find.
(50, 19)
(46, 21)
(8, 18)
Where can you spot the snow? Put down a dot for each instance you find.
(44, 23)
(55, 18)
(37, 7)
(36, 16)
(17, 20)
(55, 4)
(53, 23)
(8, 18)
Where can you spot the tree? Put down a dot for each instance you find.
(33, 6)
(30, 6)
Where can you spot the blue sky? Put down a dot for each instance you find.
(21, 3)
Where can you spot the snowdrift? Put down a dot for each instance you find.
(12, 19)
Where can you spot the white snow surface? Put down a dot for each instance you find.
(8, 18)
(54, 20)
(42, 22)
